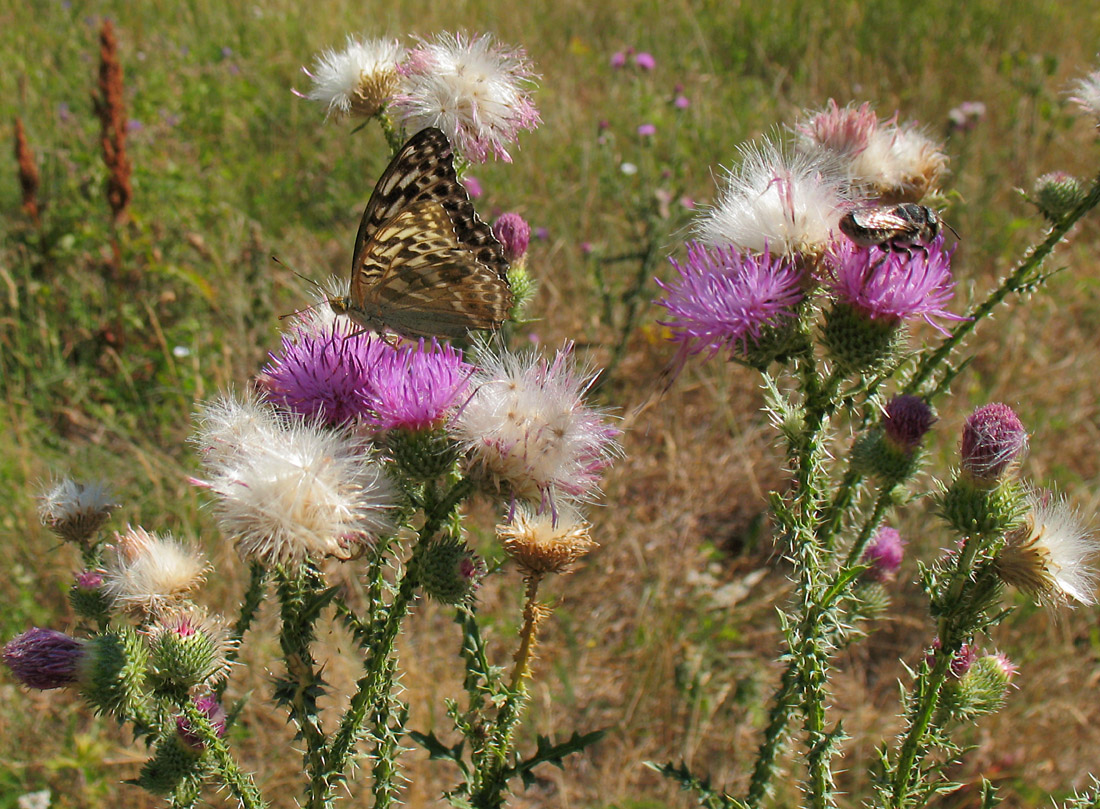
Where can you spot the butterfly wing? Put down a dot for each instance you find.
(423, 171)
(423, 280)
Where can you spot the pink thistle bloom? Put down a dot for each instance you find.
(894, 285)
(906, 421)
(846, 131)
(527, 424)
(1086, 94)
(415, 387)
(45, 659)
(725, 297)
(884, 554)
(963, 660)
(681, 102)
(618, 59)
(647, 130)
(993, 440)
(476, 91)
(514, 234)
(323, 372)
(645, 61)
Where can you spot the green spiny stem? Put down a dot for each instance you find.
(295, 638)
(882, 503)
(1019, 279)
(253, 597)
(236, 780)
(952, 634)
(783, 704)
(834, 513)
(490, 783)
(377, 682)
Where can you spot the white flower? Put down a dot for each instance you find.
(1050, 556)
(527, 424)
(289, 489)
(358, 80)
(900, 163)
(541, 544)
(74, 511)
(1086, 94)
(476, 91)
(776, 202)
(148, 573)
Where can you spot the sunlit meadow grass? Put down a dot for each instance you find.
(666, 636)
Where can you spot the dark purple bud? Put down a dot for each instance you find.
(993, 439)
(884, 554)
(514, 234)
(44, 658)
(907, 420)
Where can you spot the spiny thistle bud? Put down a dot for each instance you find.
(212, 709)
(88, 597)
(540, 544)
(172, 762)
(1056, 194)
(75, 511)
(1050, 556)
(884, 554)
(891, 452)
(994, 440)
(451, 572)
(422, 454)
(45, 658)
(962, 661)
(977, 510)
(980, 690)
(859, 343)
(187, 649)
(113, 673)
(514, 234)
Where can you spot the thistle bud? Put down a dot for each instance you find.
(88, 597)
(179, 756)
(994, 440)
(187, 649)
(514, 234)
(906, 421)
(540, 544)
(1056, 194)
(451, 572)
(980, 690)
(211, 707)
(422, 454)
(113, 673)
(891, 453)
(884, 554)
(45, 658)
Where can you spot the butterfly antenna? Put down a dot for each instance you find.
(304, 278)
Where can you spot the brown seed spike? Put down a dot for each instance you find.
(28, 172)
(109, 108)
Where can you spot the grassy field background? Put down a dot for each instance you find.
(666, 635)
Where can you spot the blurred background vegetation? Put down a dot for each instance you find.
(109, 334)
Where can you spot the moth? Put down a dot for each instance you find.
(900, 228)
(424, 264)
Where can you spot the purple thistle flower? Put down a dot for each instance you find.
(884, 554)
(513, 232)
(724, 298)
(645, 61)
(45, 658)
(647, 130)
(894, 285)
(682, 102)
(323, 372)
(473, 186)
(415, 387)
(993, 439)
(618, 59)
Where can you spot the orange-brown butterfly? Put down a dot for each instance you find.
(424, 264)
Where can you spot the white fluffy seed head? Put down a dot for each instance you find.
(76, 510)
(358, 80)
(147, 573)
(306, 491)
(777, 201)
(900, 164)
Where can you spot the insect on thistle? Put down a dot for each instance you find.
(901, 228)
(424, 264)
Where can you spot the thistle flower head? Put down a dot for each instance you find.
(147, 573)
(451, 572)
(844, 131)
(303, 492)
(45, 659)
(1056, 194)
(777, 202)
(1051, 555)
(414, 387)
(993, 441)
(357, 80)
(187, 648)
(323, 370)
(514, 234)
(893, 285)
(75, 511)
(965, 116)
(1086, 94)
(526, 423)
(540, 544)
(906, 421)
(476, 91)
(900, 164)
(724, 298)
(884, 554)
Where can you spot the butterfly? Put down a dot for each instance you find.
(424, 264)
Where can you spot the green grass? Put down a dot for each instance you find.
(231, 168)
